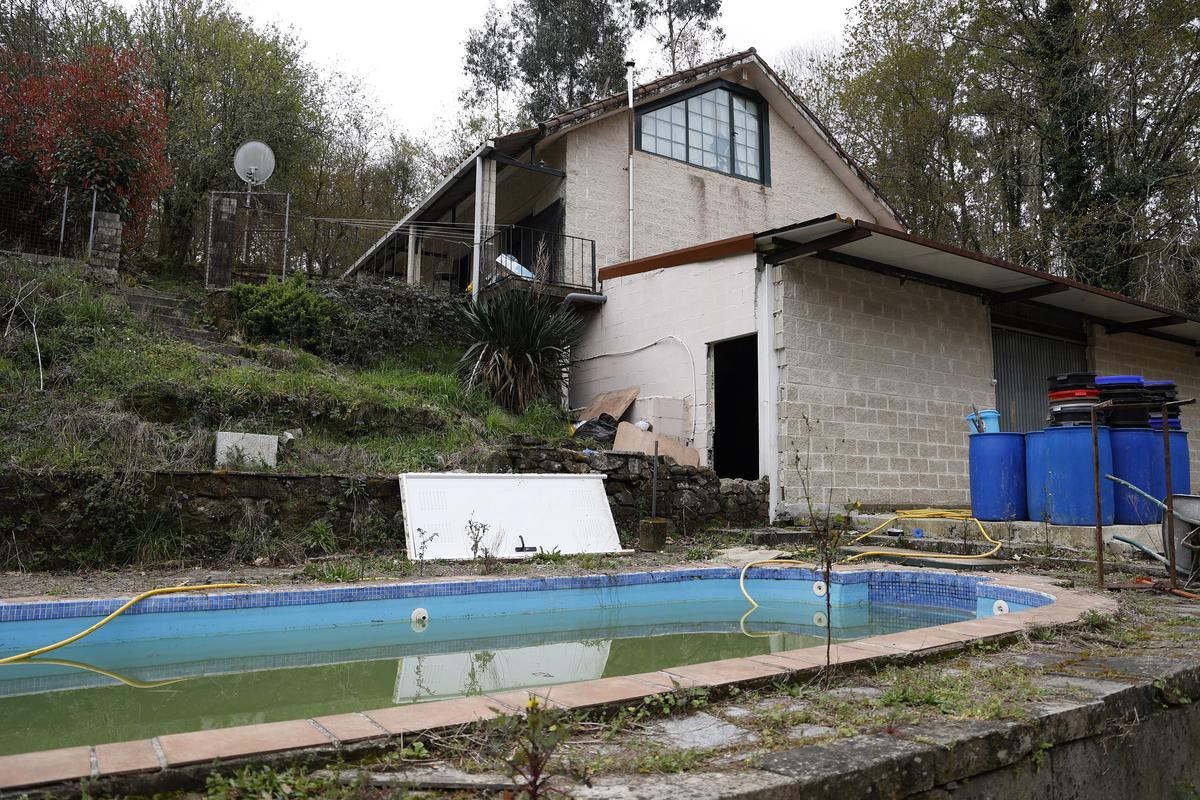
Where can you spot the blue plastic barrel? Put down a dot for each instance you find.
(1137, 458)
(997, 476)
(1181, 462)
(1070, 482)
(1035, 475)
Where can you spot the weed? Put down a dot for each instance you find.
(320, 538)
(670, 761)
(331, 572)
(424, 538)
(264, 781)
(700, 552)
(527, 744)
(548, 557)
(415, 751)
(595, 561)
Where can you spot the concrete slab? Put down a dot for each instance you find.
(697, 731)
(246, 449)
(811, 732)
(1017, 531)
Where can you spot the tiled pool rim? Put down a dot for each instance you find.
(910, 587)
(1051, 605)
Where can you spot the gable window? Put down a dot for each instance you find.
(720, 129)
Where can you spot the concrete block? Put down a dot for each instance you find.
(246, 449)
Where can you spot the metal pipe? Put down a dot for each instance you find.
(1170, 498)
(585, 299)
(629, 89)
(654, 483)
(62, 225)
(92, 227)
(287, 213)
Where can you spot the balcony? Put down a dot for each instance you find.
(515, 254)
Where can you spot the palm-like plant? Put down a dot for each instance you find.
(521, 344)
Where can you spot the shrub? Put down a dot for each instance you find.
(288, 311)
(390, 321)
(519, 353)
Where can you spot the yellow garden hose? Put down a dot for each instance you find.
(128, 605)
(927, 513)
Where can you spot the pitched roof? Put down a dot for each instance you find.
(516, 142)
(575, 116)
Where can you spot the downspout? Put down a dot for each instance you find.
(629, 90)
(768, 385)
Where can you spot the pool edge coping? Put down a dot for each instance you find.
(334, 733)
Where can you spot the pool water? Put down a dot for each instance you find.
(197, 670)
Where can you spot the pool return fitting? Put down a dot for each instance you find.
(125, 607)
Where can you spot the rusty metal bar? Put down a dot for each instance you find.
(1170, 498)
(1097, 478)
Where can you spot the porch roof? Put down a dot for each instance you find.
(858, 243)
(865, 245)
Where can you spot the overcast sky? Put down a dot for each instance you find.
(410, 51)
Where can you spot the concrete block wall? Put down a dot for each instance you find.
(1153, 359)
(875, 379)
(678, 205)
(697, 303)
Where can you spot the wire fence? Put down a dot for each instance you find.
(47, 219)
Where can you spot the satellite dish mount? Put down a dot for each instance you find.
(254, 162)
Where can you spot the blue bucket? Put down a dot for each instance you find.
(1035, 475)
(991, 421)
(1070, 481)
(997, 476)
(1138, 458)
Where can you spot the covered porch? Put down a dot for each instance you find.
(497, 220)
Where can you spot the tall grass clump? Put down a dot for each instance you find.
(520, 347)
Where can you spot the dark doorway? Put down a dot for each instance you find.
(735, 408)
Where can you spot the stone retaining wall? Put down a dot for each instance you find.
(92, 520)
(688, 496)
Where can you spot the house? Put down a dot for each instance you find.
(565, 185)
(737, 266)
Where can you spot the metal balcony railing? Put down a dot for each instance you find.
(516, 253)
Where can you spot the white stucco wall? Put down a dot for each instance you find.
(697, 303)
(678, 205)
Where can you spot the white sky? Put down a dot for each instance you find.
(410, 51)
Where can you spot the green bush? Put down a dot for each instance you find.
(521, 343)
(289, 312)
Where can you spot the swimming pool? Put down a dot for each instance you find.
(202, 661)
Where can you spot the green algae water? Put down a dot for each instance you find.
(154, 674)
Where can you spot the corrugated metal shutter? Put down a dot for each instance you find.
(1023, 362)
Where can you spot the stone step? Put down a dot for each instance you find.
(159, 304)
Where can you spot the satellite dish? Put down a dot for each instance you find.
(254, 162)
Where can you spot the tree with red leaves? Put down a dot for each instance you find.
(87, 123)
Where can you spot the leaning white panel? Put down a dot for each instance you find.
(523, 514)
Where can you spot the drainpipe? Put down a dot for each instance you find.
(768, 385)
(629, 90)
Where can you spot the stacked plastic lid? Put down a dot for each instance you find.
(1072, 397)
(1126, 392)
(1163, 392)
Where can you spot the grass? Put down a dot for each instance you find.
(119, 395)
